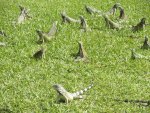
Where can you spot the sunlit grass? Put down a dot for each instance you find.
(26, 84)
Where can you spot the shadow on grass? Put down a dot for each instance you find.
(145, 103)
(73, 55)
(5, 110)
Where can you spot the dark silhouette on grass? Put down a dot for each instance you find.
(145, 45)
(140, 26)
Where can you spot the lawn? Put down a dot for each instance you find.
(26, 83)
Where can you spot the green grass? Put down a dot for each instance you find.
(26, 84)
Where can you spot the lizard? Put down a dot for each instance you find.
(84, 24)
(122, 13)
(92, 10)
(135, 55)
(113, 10)
(65, 96)
(110, 24)
(2, 33)
(81, 55)
(145, 45)
(43, 37)
(67, 19)
(23, 15)
(39, 54)
(140, 26)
